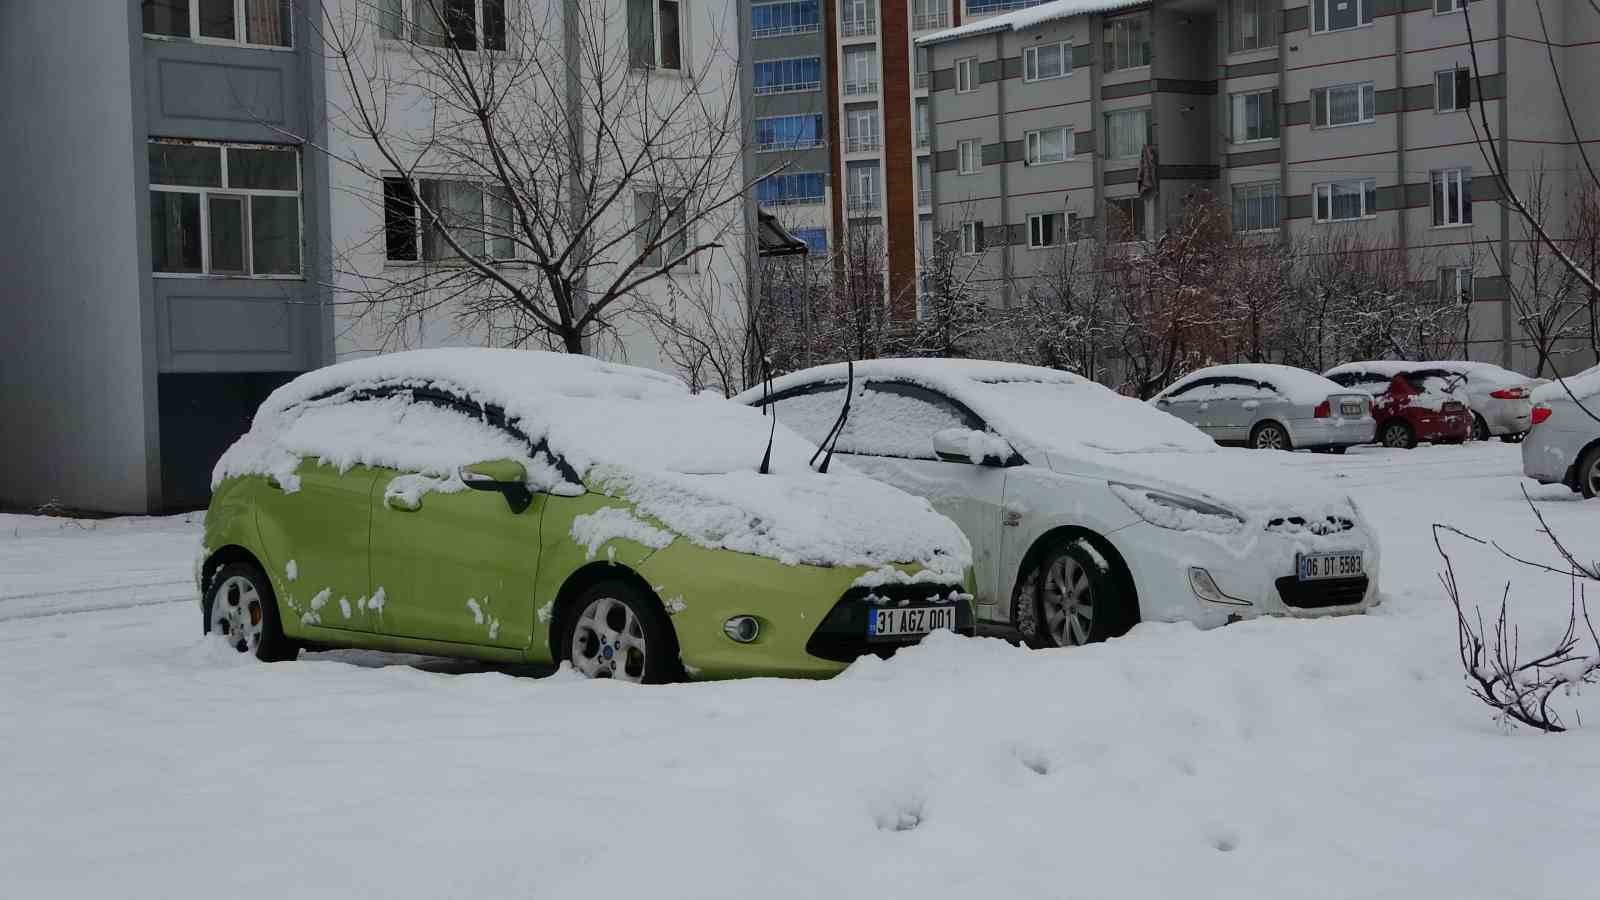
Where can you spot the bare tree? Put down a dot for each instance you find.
(1063, 319)
(533, 172)
(1545, 297)
(954, 318)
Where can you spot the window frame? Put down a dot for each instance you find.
(1266, 25)
(1062, 48)
(419, 227)
(1258, 188)
(784, 87)
(663, 207)
(224, 190)
(785, 30)
(408, 22)
(1112, 33)
(971, 241)
(796, 199)
(1456, 7)
(1366, 214)
(1065, 231)
(1140, 110)
(240, 29)
(1271, 95)
(1458, 77)
(1456, 214)
(850, 86)
(977, 156)
(780, 146)
(1455, 273)
(1136, 223)
(1033, 146)
(658, 59)
(967, 66)
(1365, 116)
(1364, 16)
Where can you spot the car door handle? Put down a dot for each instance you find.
(1011, 517)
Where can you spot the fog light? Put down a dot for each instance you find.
(743, 629)
(1205, 587)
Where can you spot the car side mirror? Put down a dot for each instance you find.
(506, 477)
(975, 448)
(1163, 401)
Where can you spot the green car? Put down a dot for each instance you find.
(528, 507)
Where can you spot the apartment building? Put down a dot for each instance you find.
(837, 105)
(1306, 116)
(165, 240)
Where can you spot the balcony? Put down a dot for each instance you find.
(865, 26)
(858, 88)
(933, 20)
(864, 202)
(863, 143)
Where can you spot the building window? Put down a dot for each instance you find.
(1046, 62)
(476, 216)
(1255, 24)
(798, 132)
(262, 23)
(1127, 131)
(861, 128)
(1127, 42)
(777, 19)
(858, 18)
(860, 70)
(461, 24)
(1048, 145)
(1124, 219)
(790, 188)
(1441, 7)
(1343, 201)
(1345, 104)
(1255, 116)
(816, 240)
(969, 156)
(224, 209)
(924, 181)
(966, 75)
(920, 108)
(788, 76)
(865, 194)
(660, 233)
(919, 68)
(971, 238)
(1052, 229)
(655, 34)
(1452, 197)
(1452, 90)
(1337, 15)
(1255, 206)
(1456, 282)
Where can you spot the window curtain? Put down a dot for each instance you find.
(267, 22)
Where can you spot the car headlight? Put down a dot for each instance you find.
(1175, 511)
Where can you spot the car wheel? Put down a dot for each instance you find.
(616, 631)
(1589, 473)
(1072, 598)
(1270, 436)
(1398, 435)
(242, 611)
(1480, 428)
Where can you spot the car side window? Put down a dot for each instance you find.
(396, 430)
(1343, 379)
(1193, 390)
(886, 418)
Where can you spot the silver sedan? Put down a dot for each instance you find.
(1270, 407)
(1563, 446)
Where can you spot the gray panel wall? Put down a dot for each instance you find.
(77, 397)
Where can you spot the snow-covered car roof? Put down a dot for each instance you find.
(689, 461)
(1583, 385)
(1299, 385)
(1030, 405)
(1389, 368)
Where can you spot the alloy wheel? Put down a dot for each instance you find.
(1068, 602)
(1397, 437)
(1270, 437)
(608, 641)
(1592, 477)
(237, 615)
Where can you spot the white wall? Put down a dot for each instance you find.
(77, 391)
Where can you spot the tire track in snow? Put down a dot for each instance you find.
(106, 607)
(89, 589)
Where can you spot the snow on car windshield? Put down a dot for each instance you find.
(1078, 413)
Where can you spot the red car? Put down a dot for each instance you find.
(1412, 408)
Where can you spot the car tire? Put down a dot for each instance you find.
(1480, 428)
(1397, 435)
(1270, 435)
(1047, 617)
(616, 630)
(1588, 473)
(242, 610)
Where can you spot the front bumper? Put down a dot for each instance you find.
(1255, 569)
(1332, 432)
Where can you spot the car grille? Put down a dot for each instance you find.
(1322, 594)
(1324, 525)
(842, 636)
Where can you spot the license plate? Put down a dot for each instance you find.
(1317, 566)
(1350, 408)
(910, 620)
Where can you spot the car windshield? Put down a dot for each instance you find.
(1052, 414)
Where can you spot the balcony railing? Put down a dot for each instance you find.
(864, 143)
(930, 21)
(864, 202)
(776, 146)
(781, 30)
(853, 88)
(866, 26)
(791, 87)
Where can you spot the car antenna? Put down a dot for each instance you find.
(832, 440)
(766, 398)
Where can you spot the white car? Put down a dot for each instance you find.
(1501, 400)
(1270, 407)
(1087, 511)
(1563, 445)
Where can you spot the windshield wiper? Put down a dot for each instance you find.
(766, 399)
(832, 440)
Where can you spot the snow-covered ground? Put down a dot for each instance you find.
(1337, 758)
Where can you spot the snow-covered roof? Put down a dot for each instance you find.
(688, 461)
(1023, 19)
(1295, 383)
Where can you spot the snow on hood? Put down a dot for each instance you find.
(1298, 385)
(1583, 385)
(689, 462)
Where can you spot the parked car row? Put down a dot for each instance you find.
(1396, 404)
(531, 507)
